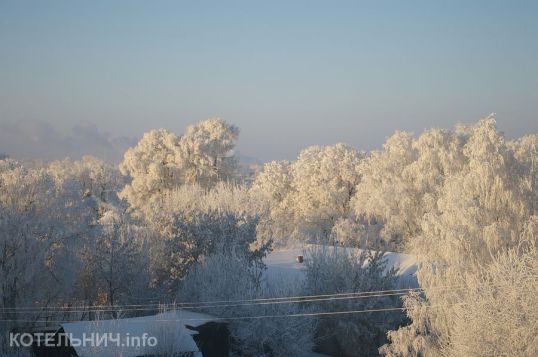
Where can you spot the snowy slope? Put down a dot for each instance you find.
(282, 265)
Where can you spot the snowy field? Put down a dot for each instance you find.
(282, 265)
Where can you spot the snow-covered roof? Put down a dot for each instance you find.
(168, 328)
(283, 265)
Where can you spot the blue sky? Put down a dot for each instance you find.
(288, 73)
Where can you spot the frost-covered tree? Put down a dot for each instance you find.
(350, 233)
(337, 270)
(95, 177)
(206, 152)
(162, 162)
(89, 189)
(187, 238)
(525, 152)
(228, 277)
(115, 261)
(463, 202)
(308, 196)
(189, 199)
(273, 188)
(50, 215)
(153, 167)
(484, 210)
(324, 180)
(24, 242)
(401, 183)
(224, 198)
(41, 225)
(497, 315)
(275, 181)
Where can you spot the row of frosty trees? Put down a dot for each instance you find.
(177, 221)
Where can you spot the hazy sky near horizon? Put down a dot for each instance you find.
(289, 73)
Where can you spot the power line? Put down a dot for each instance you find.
(335, 298)
(229, 318)
(323, 313)
(219, 302)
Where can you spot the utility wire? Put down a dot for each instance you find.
(335, 298)
(299, 298)
(323, 313)
(229, 318)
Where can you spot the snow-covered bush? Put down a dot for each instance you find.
(189, 237)
(337, 270)
(228, 277)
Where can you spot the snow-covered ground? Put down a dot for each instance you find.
(282, 265)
